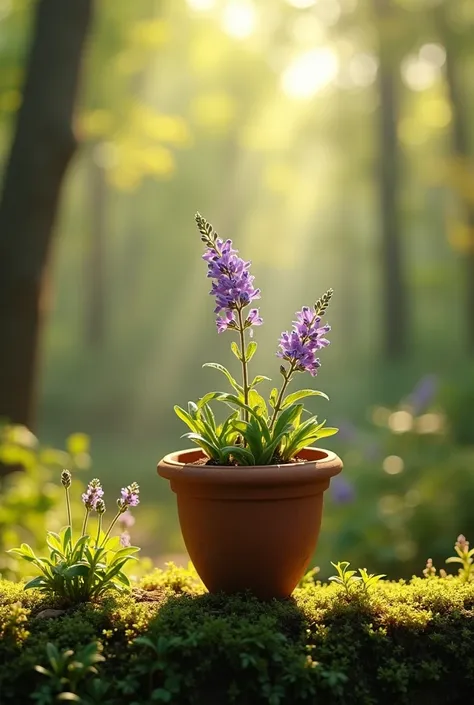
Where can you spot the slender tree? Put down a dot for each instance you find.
(393, 286)
(461, 149)
(42, 147)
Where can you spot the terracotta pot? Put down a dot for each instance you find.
(250, 528)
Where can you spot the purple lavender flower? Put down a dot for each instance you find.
(342, 491)
(233, 284)
(253, 319)
(300, 345)
(129, 497)
(125, 539)
(226, 321)
(423, 394)
(127, 519)
(93, 493)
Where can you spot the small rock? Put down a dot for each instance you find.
(50, 614)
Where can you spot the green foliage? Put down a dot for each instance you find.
(349, 578)
(69, 672)
(411, 486)
(259, 439)
(464, 557)
(169, 641)
(82, 570)
(79, 571)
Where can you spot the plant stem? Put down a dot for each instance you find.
(114, 521)
(68, 505)
(99, 527)
(245, 379)
(280, 396)
(84, 523)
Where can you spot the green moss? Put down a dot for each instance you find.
(172, 642)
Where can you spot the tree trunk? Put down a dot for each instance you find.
(95, 259)
(42, 147)
(394, 296)
(460, 140)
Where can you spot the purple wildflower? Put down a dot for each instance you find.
(233, 284)
(125, 539)
(93, 493)
(423, 394)
(300, 345)
(254, 318)
(342, 491)
(129, 497)
(226, 321)
(127, 519)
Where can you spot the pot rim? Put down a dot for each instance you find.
(318, 464)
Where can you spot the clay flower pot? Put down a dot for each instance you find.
(250, 528)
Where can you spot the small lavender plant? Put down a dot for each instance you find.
(256, 432)
(82, 570)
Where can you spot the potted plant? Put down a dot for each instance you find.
(250, 496)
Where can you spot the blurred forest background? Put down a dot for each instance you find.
(332, 140)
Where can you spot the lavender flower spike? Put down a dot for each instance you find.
(300, 345)
(233, 284)
(129, 497)
(93, 493)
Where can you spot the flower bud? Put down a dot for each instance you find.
(100, 506)
(66, 479)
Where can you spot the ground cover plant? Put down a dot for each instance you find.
(363, 641)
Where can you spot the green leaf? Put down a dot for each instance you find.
(257, 402)
(54, 542)
(123, 553)
(258, 379)
(251, 350)
(327, 431)
(207, 398)
(186, 417)
(37, 582)
(123, 579)
(287, 417)
(80, 543)
(43, 671)
(210, 418)
(242, 455)
(236, 350)
(226, 430)
(52, 653)
(66, 535)
(273, 397)
(226, 373)
(208, 447)
(22, 554)
(78, 570)
(301, 394)
(192, 409)
(70, 697)
(232, 399)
